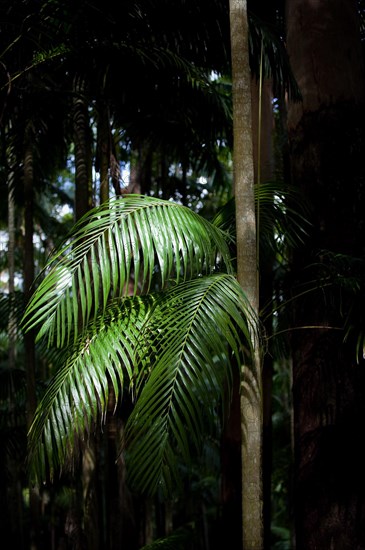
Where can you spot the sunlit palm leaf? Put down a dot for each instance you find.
(172, 348)
(193, 325)
(78, 394)
(135, 239)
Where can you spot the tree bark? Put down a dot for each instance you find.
(82, 139)
(325, 54)
(326, 141)
(11, 496)
(103, 151)
(247, 273)
(262, 129)
(12, 323)
(29, 337)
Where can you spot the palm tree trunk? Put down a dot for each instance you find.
(251, 413)
(103, 151)
(82, 138)
(29, 276)
(11, 487)
(11, 268)
(230, 529)
(29, 337)
(262, 129)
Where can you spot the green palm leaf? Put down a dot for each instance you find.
(137, 239)
(195, 326)
(275, 61)
(171, 349)
(282, 215)
(179, 540)
(78, 394)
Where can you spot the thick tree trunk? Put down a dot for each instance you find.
(251, 413)
(327, 140)
(324, 47)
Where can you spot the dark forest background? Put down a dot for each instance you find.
(101, 101)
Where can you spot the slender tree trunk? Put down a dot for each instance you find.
(262, 129)
(78, 522)
(29, 337)
(83, 163)
(29, 275)
(262, 125)
(230, 528)
(11, 488)
(251, 405)
(103, 151)
(327, 141)
(141, 171)
(11, 267)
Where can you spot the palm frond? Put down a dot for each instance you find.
(282, 217)
(193, 328)
(173, 351)
(140, 239)
(269, 39)
(342, 276)
(172, 348)
(78, 394)
(178, 540)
